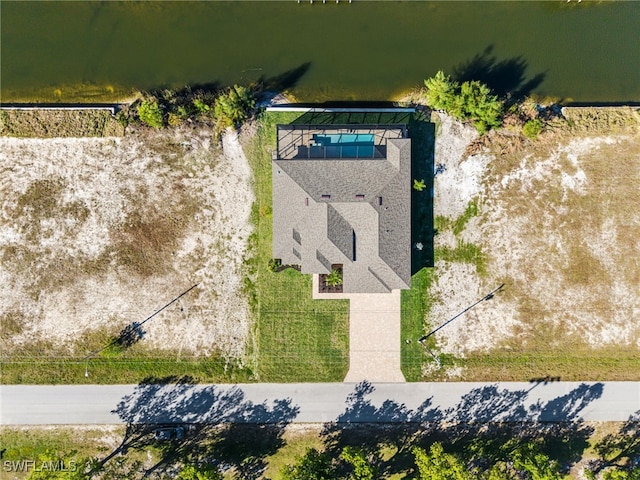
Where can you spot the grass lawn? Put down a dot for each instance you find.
(414, 308)
(297, 338)
(69, 444)
(119, 370)
(571, 364)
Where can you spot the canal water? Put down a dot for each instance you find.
(584, 52)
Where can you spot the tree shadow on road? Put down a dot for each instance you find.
(212, 417)
(485, 426)
(492, 422)
(390, 425)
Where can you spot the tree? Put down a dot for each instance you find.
(438, 465)
(441, 91)
(314, 465)
(538, 465)
(362, 469)
(234, 106)
(500, 471)
(475, 102)
(150, 113)
(472, 100)
(202, 472)
(419, 185)
(619, 474)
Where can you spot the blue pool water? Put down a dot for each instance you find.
(346, 145)
(345, 139)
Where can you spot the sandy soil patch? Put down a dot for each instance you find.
(559, 226)
(98, 233)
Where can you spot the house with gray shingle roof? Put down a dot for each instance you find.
(342, 195)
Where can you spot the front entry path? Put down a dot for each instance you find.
(374, 335)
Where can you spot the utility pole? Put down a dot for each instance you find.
(486, 298)
(137, 327)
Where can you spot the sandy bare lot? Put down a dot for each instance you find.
(98, 233)
(559, 223)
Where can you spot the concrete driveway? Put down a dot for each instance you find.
(374, 335)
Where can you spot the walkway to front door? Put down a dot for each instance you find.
(374, 335)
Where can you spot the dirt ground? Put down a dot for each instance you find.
(96, 233)
(558, 223)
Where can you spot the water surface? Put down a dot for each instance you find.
(364, 50)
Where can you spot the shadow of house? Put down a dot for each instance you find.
(505, 77)
(422, 133)
(213, 418)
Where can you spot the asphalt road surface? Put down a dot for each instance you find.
(318, 403)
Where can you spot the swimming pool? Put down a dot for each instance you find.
(346, 145)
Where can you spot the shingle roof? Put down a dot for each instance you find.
(370, 235)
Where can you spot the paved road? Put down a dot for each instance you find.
(312, 403)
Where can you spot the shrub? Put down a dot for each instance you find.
(124, 117)
(274, 264)
(150, 113)
(178, 115)
(419, 185)
(313, 465)
(532, 128)
(334, 279)
(234, 106)
(201, 107)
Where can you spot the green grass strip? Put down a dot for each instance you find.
(415, 305)
(113, 371)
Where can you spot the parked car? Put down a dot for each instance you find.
(168, 433)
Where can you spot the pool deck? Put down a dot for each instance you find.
(297, 141)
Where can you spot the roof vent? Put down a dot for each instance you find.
(359, 196)
(379, 200)
(325, 197)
